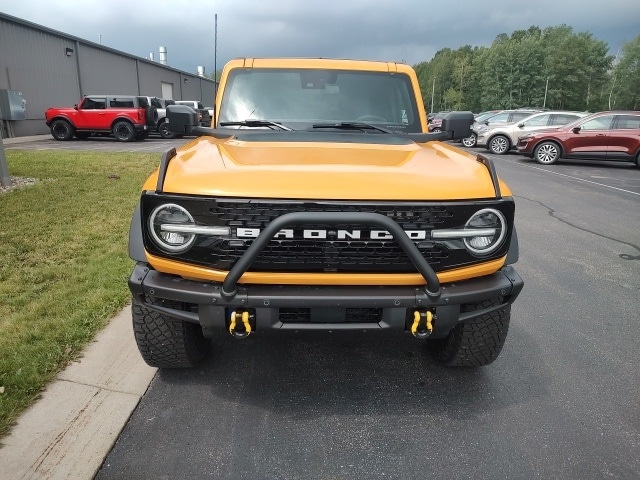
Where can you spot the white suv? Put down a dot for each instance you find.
(498, 117)
(499, 138)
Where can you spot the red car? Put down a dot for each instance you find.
(611, 135)
(435, 124)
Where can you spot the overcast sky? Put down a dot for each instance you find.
(410, 31)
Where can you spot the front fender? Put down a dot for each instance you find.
(60, 116)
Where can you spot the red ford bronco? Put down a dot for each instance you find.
(126, 117)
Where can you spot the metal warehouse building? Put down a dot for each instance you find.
(41, 68)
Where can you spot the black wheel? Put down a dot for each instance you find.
(152, 116)
(124, 131)
(499, 145)
(475, 343)
(62, 129)
(638, 159)
(165, 341)
(547, 153)
(470, 141)
(164, 131)
(82, 135)
(142, 135)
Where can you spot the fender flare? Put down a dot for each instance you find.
(61, 116)
(136, 243)
(514, 250)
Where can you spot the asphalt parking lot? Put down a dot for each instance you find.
(560, 402)
(96, 144)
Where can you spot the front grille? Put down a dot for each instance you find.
(327, 256)
(260, 214)
(330, 254)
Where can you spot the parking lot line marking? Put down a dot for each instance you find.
(574, 178)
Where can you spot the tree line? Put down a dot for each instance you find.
(554, 68)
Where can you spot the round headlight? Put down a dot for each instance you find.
(167, 238)
(491, 219)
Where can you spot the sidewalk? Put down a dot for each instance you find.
(70, 430)
(32, 138)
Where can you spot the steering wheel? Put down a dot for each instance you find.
(370, 118)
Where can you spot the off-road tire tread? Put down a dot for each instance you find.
(475, 343)
(131, 131)
(163, 130)
(167, 342)
(69, 129)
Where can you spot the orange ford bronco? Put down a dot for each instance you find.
(317, 200)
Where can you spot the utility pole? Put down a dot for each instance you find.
(544, 104)
(433, 91)
(5, 178)
(215, 67)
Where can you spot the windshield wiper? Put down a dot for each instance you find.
(352, 126)
(256, 123)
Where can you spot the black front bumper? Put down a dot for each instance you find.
(211, 308)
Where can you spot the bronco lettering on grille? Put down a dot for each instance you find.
(338, 234)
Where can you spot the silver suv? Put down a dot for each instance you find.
(499, 138)
(499, 117)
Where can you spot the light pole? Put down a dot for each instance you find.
(544, 103)
(5, 178)
(433, 91)
(215, 66)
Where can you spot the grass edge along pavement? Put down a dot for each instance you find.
(64, 263)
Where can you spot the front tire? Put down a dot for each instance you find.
(164, 131)
(499, 145)
(475, 343)
(470, 141)
(62, 130)
(547, 153)
(124, 131)
(165, 341)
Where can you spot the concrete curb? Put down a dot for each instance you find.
(70, 430)
(32, 138)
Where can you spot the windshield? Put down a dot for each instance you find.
(300, 98)
(485, 115)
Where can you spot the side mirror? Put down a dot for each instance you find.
(521, 125)
(182, 119)
(576, 129)
(457, 124)
(75, 106)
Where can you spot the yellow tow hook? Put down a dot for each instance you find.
(236, 318)
(420, 328)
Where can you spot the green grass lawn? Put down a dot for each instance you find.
(64, 264)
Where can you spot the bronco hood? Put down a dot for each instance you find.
(350, 167)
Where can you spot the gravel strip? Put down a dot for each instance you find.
(17, 182)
